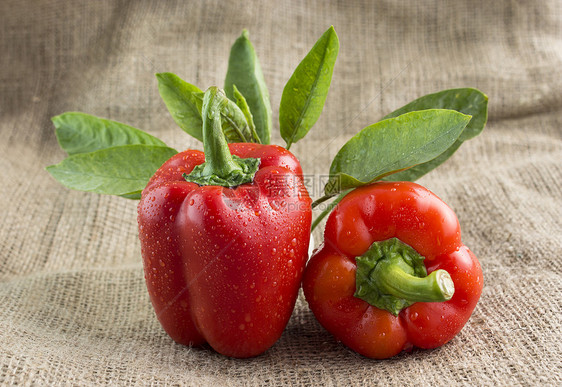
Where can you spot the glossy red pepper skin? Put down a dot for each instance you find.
(418, 218)
(224, 265)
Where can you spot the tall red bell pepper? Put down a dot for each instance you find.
(368, 283)
(224, 237)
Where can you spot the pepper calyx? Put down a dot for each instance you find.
(236, 177)
(391, 276)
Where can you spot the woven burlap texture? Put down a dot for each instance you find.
(74, 308)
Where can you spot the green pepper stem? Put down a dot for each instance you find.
(391, 276)
(391, 279)
(321, 200)
(220, 166)
(218, 160)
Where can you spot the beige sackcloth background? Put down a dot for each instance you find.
(73, 305)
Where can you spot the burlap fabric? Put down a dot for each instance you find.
(73, 305)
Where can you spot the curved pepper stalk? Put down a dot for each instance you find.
(391, 276)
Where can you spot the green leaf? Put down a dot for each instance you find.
(468, 101)
(393, 145)
(121, 170)
(81, 133)
(243, 105)
(417, 171)
(245, 72)
(183, 103)
(132, 196)
(306, 91)
(234, 123)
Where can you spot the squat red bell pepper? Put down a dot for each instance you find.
(224, 251)
(368, 284)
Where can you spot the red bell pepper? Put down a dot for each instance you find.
(224, 257)
(368, 283)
